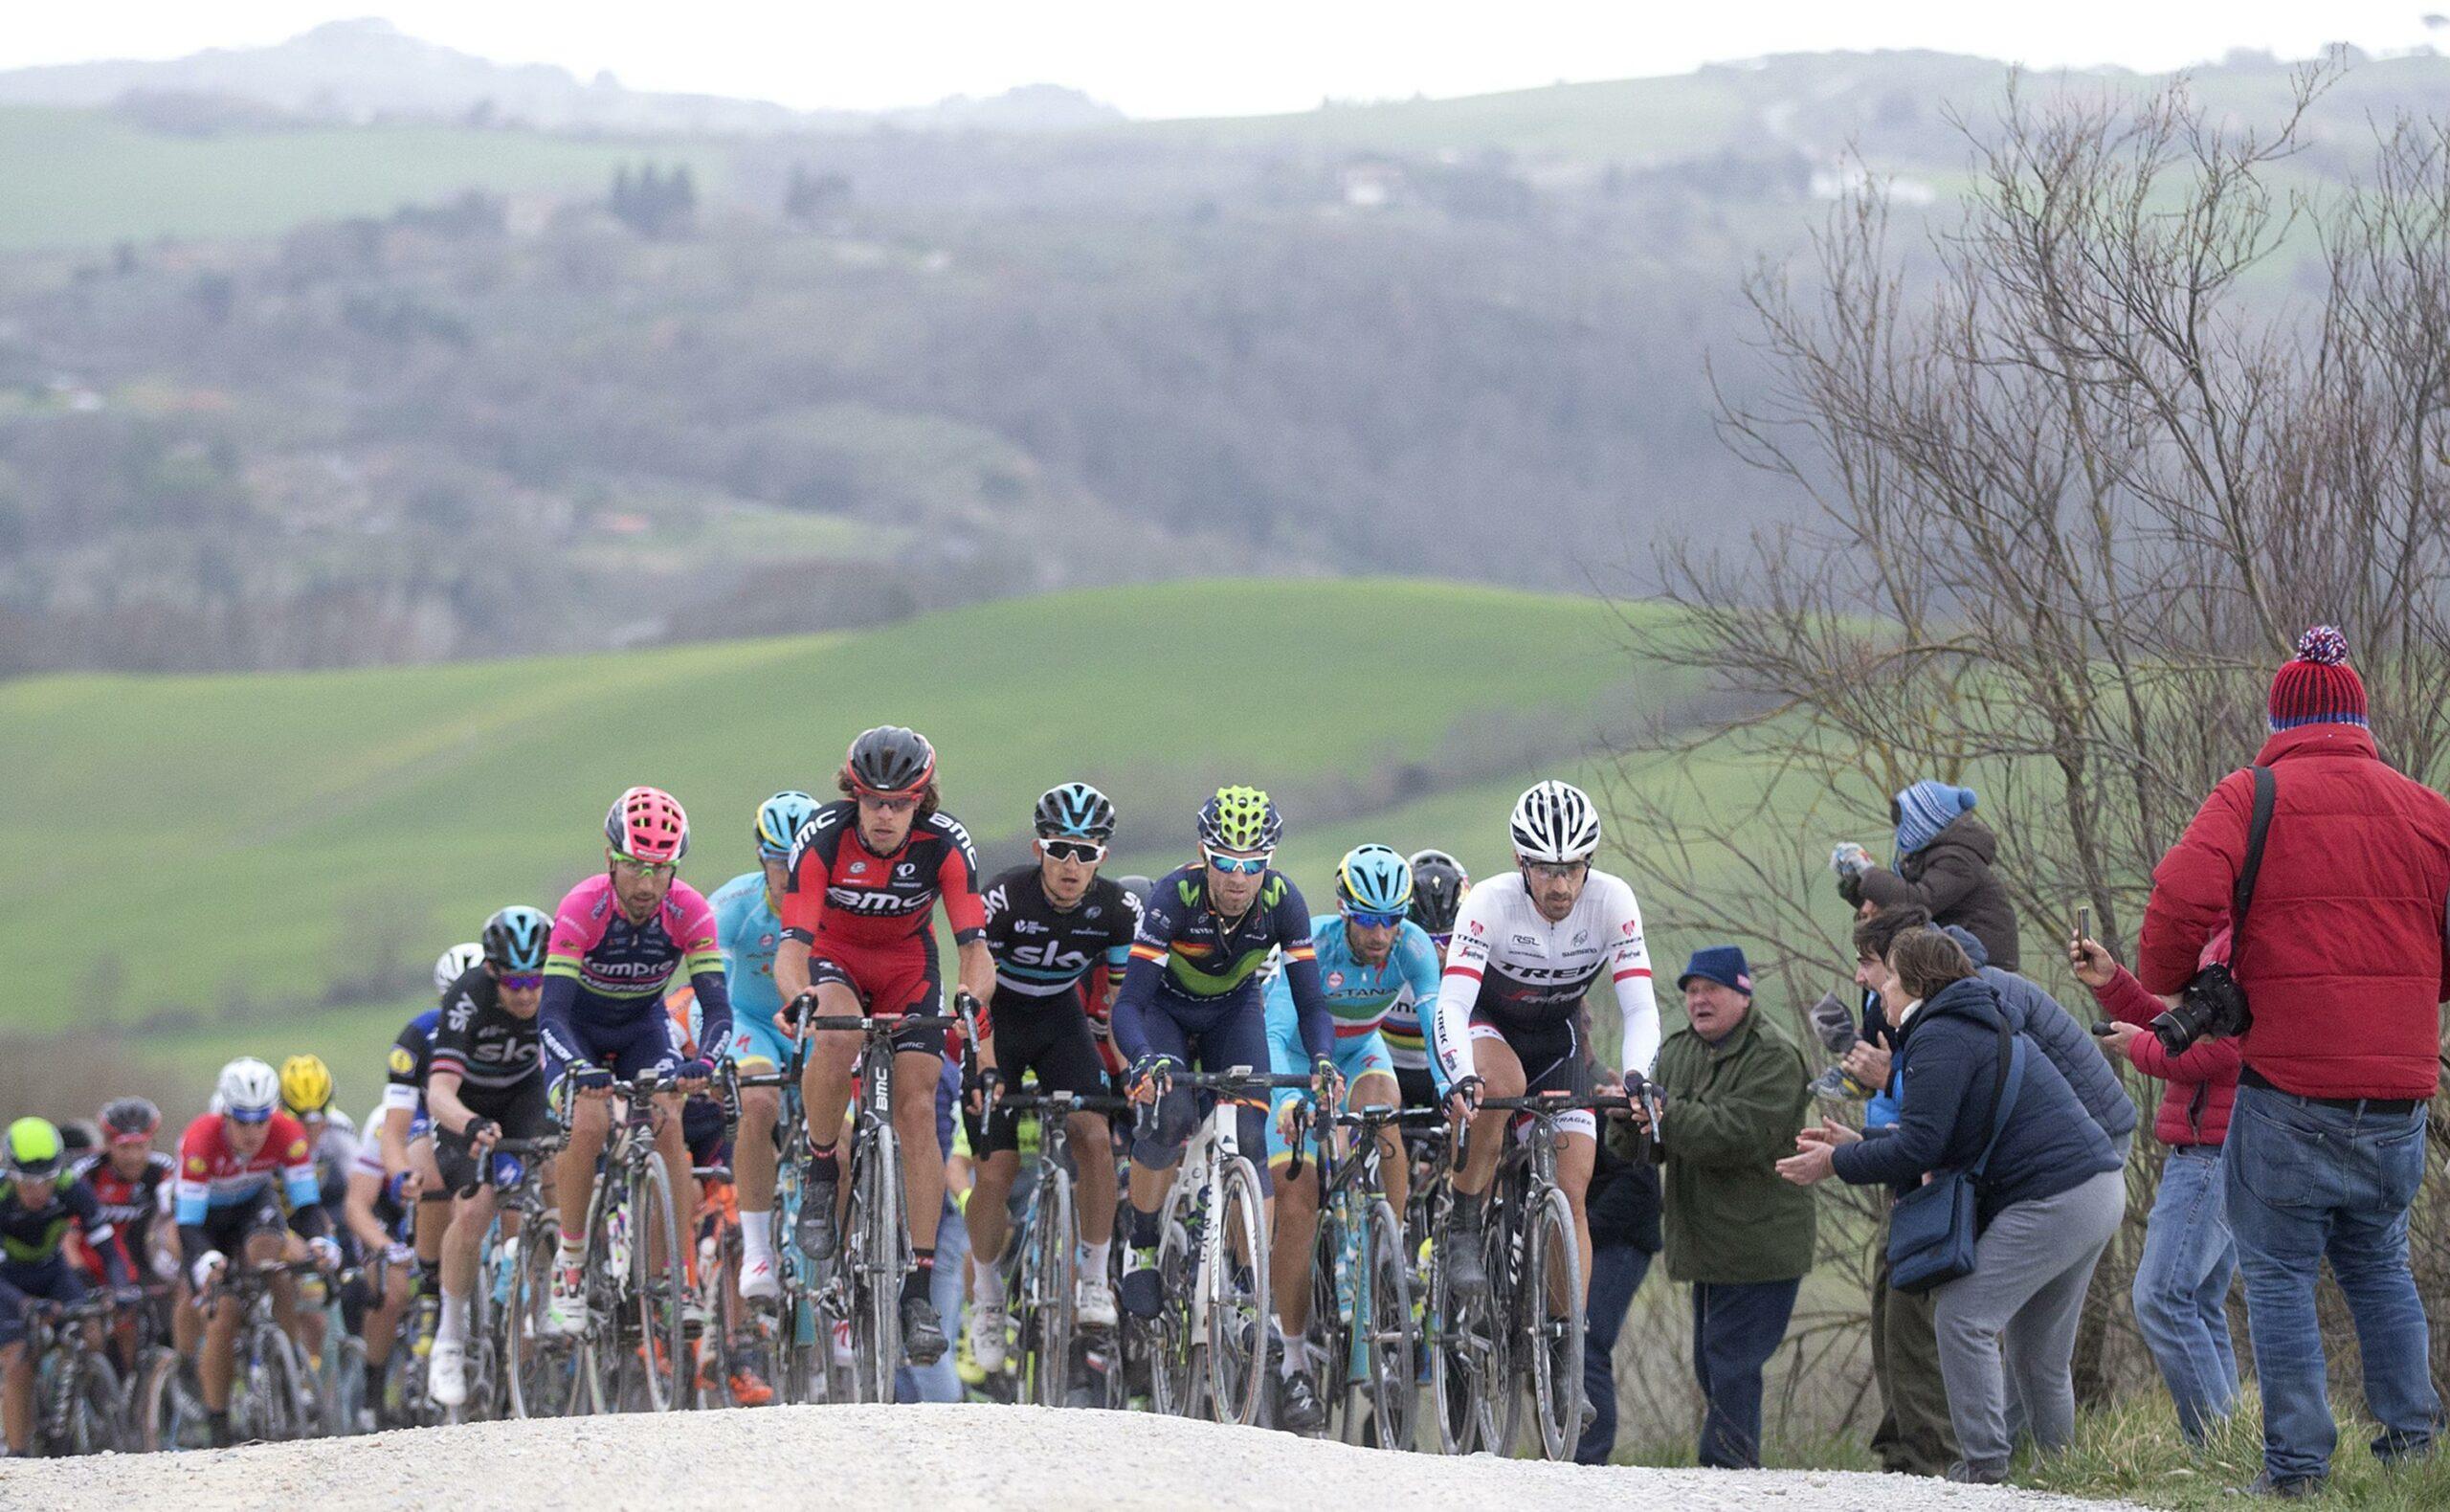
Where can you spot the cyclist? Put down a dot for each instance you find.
(748, 926)
(865, 874)
(230, 1205)
(379, 1224)
(131, 1182)
(1526, 949)
(1371, 958)
(454, 964)
(404, 1136)
(35, 1211)
(486, 1083)
(618, 941)
(1050, 925)
(1190, 999)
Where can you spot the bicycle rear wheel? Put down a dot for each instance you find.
(1548, 1323)
(169, 1414)
(94, 1407)
(1340, 1384)
(543, 1374)
(1393, 1343)
(277, 1395)
(656, 1290)
(876, 1264)
(1048, 1301)
(1239, 1304)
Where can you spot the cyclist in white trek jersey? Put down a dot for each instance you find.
(1526, 949)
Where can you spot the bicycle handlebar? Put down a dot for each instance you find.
(873, 1023)
(1065, 1102)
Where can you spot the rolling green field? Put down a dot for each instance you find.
(212, 854)
(84, 178)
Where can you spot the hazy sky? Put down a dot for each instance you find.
(1168, 57)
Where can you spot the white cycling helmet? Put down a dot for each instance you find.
(455, 962)
(1554, 822)
(248, 1090)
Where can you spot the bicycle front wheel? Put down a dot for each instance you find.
(657, 1289)
(542, 1370)
(94, 1407)
(1238, 1299)
(169, 1414)
(1165, 1340)
(1548, 1323)
(1464, 1354)
(1048, 1299)
(1392, 1342)
(877, 1266)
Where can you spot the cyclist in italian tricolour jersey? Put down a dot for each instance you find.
(748, 925)
(1527, 950)
(1371, 960)
(1051, 925)
(1191, 1001)
(618, 939)
(865, 878)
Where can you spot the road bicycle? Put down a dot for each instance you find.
(1040, 1257)
(1361, 1275)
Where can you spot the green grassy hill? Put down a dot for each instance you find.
(85, 178)
(205, 855)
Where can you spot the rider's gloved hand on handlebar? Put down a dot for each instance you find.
(1152, 1075)
(695, 1072)
(790, 1013)
(587, 1080)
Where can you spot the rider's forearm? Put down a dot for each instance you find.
(791, 968)
(977, 970)
(442, 1103)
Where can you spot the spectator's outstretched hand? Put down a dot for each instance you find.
(2092, 961)
(1814, 1163)
(1829, 1135)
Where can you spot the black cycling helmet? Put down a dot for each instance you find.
(515, 938)
(1439, 885)
(1074, 811)
(79, 1137)
(125, 1118)
(890, 759)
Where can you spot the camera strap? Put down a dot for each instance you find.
(2258, 830)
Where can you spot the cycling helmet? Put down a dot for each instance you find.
(1554, 823)
(515, 938)
(1438, 884)
(890, 760)
(305, 1084)
(647, 824)
(1240, 819)
(1374, 879)
(35, 1150)
(248, 1090)
(130, 1120)
(778, 823)
(455, 962)
(79, 1137)
(1074, 811)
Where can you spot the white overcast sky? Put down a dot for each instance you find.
(1176, 57)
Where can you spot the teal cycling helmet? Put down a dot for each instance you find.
(515, 939)
(1074, 811)
(778, 823)
(1375, 879)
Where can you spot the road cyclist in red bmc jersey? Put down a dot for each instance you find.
(865, 876)
(618, 939)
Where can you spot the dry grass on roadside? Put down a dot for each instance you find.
(2134, 1452)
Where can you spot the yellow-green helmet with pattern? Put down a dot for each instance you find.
(1240, 819)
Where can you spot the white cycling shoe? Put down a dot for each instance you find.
(759, 1280)
(1094, 1302)
(446, 1372)
(990, 1342)
(565, 1308)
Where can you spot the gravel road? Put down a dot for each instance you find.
(930, 1458)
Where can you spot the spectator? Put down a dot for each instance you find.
(2341, 961)
(1732, 1095)
(1944, 858)
(2037, 1015)
(2047, 1206)
(1623, 1206)
(2182, 1277)
(1914, 1437)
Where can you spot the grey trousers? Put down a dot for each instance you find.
(2015, 1317)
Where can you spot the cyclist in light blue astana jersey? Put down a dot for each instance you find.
(1371, 958)
(748, 926)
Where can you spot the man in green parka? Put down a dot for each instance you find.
(1733, 1093)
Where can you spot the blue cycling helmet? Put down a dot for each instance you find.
(778, 822)
(1074, 811)
(1374, 878)
(515, 939)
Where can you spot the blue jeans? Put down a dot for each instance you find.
(1736, 1328)
(2305, 1183)
(1617, 1272)
(2182, 1288)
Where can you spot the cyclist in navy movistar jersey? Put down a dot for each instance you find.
(1189, 1000)
(36, 1210)
(1051, 925)
(748, 925)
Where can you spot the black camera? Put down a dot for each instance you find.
(2213, 1006)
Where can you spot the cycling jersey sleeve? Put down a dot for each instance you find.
(298, 1179)
(1127, 925)
(572, 936)
(1629, 969)
(1284, 1026)
(1467, 960)
(1416, 963)
(194, 1191)
(87, 1210)
(1149, 944)
(803, 880)
(1299, 971)
(401, 1084)
(702, 956)
(957, 886)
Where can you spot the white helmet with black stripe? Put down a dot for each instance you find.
(1554, 822)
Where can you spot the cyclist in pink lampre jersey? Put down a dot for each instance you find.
(618, 941)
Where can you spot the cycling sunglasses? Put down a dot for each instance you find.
(522, 981)
(885, 803)
(1073, 850)
(1238, 865)
(1374, 919)
(249, 1115)
(646, 869)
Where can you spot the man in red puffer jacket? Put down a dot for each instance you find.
(2343, 962)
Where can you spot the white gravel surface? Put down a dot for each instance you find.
(923, 1458)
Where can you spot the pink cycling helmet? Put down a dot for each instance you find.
(647, 824)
